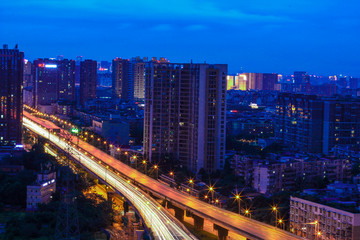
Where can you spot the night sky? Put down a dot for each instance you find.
(318, 36)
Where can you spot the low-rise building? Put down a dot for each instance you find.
(318, 221)
(41, 191)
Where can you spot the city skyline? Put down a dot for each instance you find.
(279, 37)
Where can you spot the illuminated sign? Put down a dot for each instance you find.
(50, 65)
(49, 182)
(41, 65)
(75, 130)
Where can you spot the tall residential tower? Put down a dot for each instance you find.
(185, 108)
(11, 76)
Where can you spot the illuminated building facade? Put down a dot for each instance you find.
(313, 220)
(185, 114)
(11, 75)
(53, 80)
(137, 74)
(317, 124)
(88, 80)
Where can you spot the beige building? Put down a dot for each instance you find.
(41, 191)
(317, 221)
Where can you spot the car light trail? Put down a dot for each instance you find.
(163, 224)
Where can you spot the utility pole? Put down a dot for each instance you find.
(67, 224)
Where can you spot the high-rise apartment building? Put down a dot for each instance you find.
(259, 81)
(54, 80)
(317, 124)
(121, 84)
(11, 75)
(46, 81)
(137, 74)
(88, 80)
(67, 80)
(28, 84)
(185, 114)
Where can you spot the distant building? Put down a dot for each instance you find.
(257, 81)
(121, 84)
(313, 220)
(88, 80)
(115, 130)
(185, 114)
(28, 84)
(41, 191)
(269, 178)
(104, 75)
(137, 74)
(53, 80)
(67, 80)
(315, 124)
(11, 98)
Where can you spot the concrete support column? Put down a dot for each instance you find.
(179, 213)
(198, 222)
(222, 232)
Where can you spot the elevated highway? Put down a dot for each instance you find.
(223, 219)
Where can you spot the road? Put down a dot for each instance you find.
(162, 223)
(234, 222)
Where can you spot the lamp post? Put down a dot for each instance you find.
(191, 181)
(145, 167)
(156, 167)
(274, 209)
(211, 189)
(172, 175)
(238, 199)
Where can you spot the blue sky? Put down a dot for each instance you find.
(318, 36)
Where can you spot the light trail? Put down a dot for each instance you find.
(162, 223)
(234, 222)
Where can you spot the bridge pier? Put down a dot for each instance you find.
(179, 213)
(198, 222)
(222, 232)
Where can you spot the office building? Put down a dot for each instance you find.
(53, 80)
(185, 114)
(11, 102)
(46, 81)
(88, 80)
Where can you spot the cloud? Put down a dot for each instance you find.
(196, 27)
(162, 27)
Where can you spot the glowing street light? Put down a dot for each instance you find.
(156, 167)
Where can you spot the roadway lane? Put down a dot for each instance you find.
(163, 224)
(232, 221)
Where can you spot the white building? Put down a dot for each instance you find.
(317, 221)
(41, 191)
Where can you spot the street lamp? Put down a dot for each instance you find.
(172, 175)
(247, 212)
(191, 181)
(238, 199)
(211, 189)
(281, 223)
(156, 167)
(144, 162)
(274, 209)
